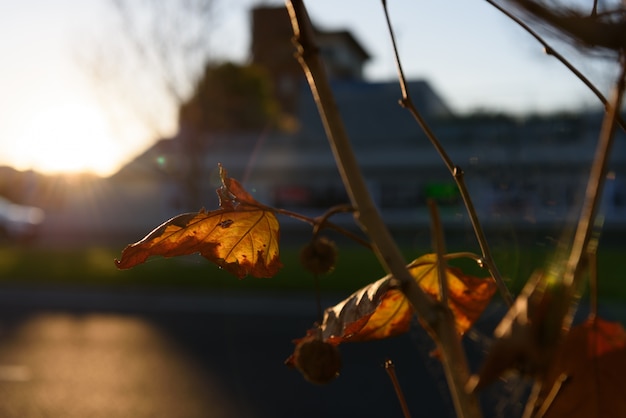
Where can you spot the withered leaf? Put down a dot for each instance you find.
(528, 335)
(587, 377)
(380, 309)
(242, 236)
(468, 295)
(377, 311)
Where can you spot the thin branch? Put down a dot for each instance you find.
(439, 321)
(440, 250)
(594, 9)
(391, 371)
(456, 171)
(321, 222)
(592, 254)
(533, 398)
(551, 51)
(572, 276)
(367, 214)
(554, 391)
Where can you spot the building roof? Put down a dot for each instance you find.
(371, 111)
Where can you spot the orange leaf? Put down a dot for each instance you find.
(241, 236)
(587, 376)
(468, 295)
(380, 310)
(377, 311)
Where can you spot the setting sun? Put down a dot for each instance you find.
(67, 138)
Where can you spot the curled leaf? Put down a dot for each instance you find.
(377, 311)
(242, 236)
(529, 334)
(380, 309)
(468, 295)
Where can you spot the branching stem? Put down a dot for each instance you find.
(573, 273)
(551, 51)
(456, 171)
(321, 222)
(439, 321)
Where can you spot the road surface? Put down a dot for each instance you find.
(97, 354)
(90, 354)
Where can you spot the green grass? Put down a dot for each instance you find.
(94, 267)
(355, 268)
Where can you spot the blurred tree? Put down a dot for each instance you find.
(230, 97)
(149, 58)
(156, 61)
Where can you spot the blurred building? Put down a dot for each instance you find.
(521, 172)
(527, 172)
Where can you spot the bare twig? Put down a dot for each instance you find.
(572, 276)
(592, 254)
(551, 51)
(531, 404)
(440, 250)
(391, 371)
(321, 222)
(457, 173)
(439, 321)
(554, 391)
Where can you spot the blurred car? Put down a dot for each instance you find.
(19, 222)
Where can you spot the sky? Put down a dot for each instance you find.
(57, 116)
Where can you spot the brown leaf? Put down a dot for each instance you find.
(380, 310)
(241, 237)
(468, 295)
(377, 311)
(527, 337)
(587, 377)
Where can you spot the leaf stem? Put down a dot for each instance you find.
(322, 222)
(456, 171)
(318, 298)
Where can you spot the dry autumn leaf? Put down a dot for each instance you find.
(586, 378)
(380, 309)
(528, 335)
(468, 295)
(377, 311)
(241, 236)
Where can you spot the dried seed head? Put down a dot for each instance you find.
(319, 256)
(318, 361)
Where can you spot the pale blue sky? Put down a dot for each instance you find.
(53, 119)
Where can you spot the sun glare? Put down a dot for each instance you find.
(68, 139)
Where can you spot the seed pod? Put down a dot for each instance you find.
(317, 360)
(319, 256)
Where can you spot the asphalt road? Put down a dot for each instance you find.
(126, 354)
(93, 354)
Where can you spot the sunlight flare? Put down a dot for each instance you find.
(68, 138)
